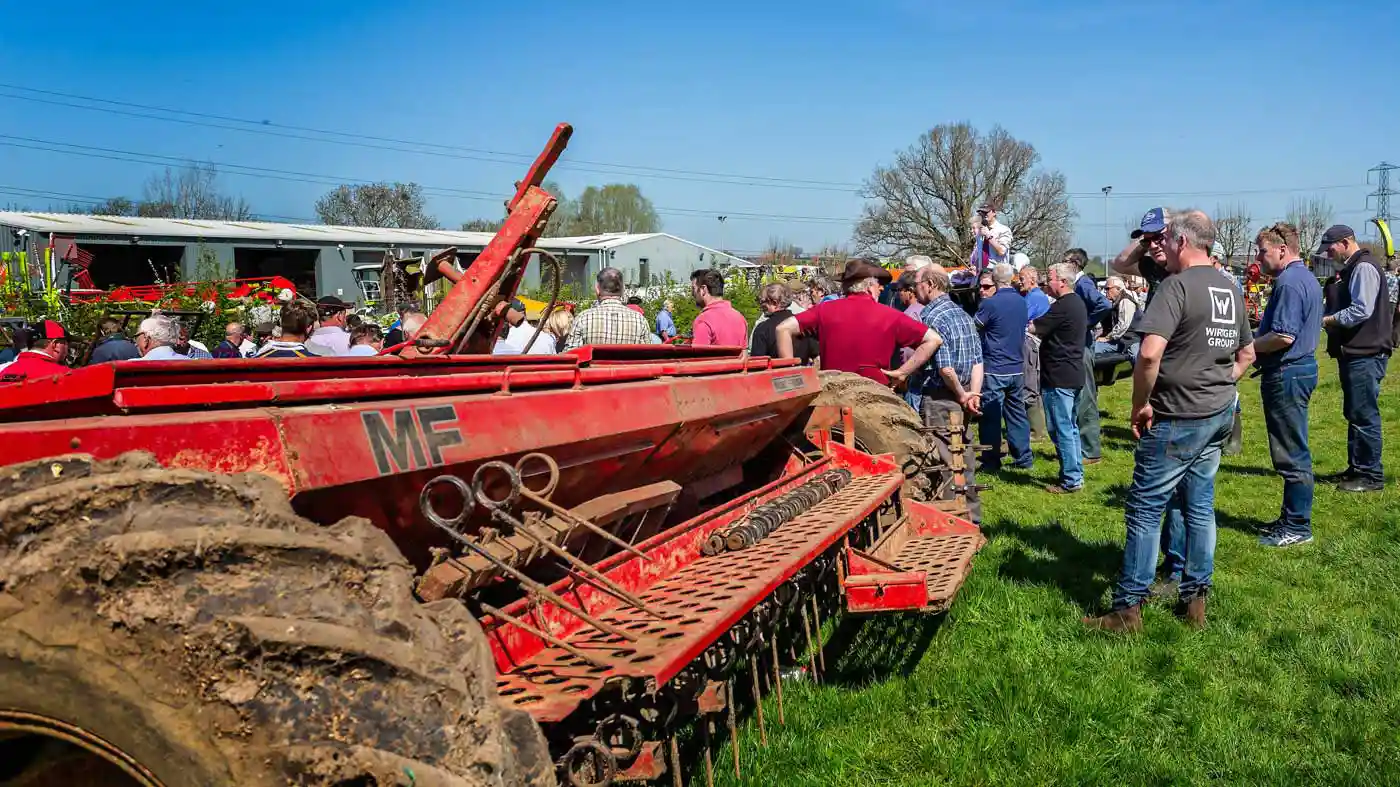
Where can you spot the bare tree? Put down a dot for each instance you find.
(398, 205)
(925, 201)
(112, 206)
(1233, 228)
(780, 251)
(1312, 217)
(481, 225)
(191, 192)
(833, 258)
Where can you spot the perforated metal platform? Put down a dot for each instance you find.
(698, 604)
(947, 559)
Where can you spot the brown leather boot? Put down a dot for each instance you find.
(1127, 620)
(1192, 611)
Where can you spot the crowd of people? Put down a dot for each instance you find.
(1021, 363)
(303, 330)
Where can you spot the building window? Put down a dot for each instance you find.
(644, 271)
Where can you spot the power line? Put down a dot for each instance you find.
(268, 128)
(428, 150)
(525, 157)
(91, 201)
(113, 154)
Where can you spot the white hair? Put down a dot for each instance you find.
(1065, 271)
(412, 324)
(1002, 274)
(862, 285)
(162, 331)
(1113, 281)
(916, 262)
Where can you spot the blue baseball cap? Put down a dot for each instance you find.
(1154, 220)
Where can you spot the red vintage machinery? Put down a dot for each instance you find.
(446, 567)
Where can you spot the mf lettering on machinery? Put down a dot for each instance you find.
(410, 438)
(1222, 312)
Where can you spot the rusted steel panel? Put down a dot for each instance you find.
(701, 599)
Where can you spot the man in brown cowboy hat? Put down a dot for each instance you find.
(856, 334)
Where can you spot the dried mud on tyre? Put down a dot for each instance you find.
(194, 622)
(884, 423)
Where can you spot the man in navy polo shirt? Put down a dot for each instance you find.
(1285, 347)
(1002, 318)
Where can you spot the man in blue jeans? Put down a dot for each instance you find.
(1002, 319)
(1196, 345)
(1358, 324)
(1061, 332)
(1097, 305)
(1286, 346)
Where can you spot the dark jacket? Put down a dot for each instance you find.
(114, 348)
(765, 339)
(1373, 335)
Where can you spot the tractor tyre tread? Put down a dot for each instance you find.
(196, 622)
(884, 422)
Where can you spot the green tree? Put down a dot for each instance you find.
(617, 207)
(396, 205)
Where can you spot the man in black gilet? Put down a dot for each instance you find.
(1358, 324)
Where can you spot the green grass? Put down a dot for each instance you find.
(1295, 681)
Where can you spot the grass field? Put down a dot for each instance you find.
(1295, 681)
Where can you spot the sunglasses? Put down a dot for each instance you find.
(986, 286)
(1152, 237)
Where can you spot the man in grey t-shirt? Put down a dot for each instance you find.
(1196, 345)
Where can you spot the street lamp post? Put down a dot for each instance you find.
(721, 232)
(1106, 190)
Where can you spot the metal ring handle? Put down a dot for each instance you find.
(425, 503)
(548, 489)
(479, 485)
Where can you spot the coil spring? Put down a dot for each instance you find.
(767, 517)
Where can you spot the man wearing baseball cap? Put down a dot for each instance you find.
(48, 347)
(1235, 445)
(1138, 258)
(1358, 324)
(858, 335)
(330, 336)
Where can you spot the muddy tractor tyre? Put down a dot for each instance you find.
(188, 628)
(884, 424)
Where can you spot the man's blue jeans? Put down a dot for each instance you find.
(1003, 396)
(1060, 405)
(1175, 456)
(1361, 391)
(1286, 393)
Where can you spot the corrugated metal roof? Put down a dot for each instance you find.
(266, 231)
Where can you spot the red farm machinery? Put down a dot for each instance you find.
(443, 567)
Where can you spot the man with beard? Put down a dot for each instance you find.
(1358, 325)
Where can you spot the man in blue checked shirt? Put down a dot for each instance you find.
(952, 380)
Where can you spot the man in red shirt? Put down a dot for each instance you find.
(48, 348)
(718, 321)
(857, 334)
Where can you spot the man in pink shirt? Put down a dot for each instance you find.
(718, 322)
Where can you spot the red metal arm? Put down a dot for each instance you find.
(529, 210)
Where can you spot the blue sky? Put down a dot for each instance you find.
(1192, 103)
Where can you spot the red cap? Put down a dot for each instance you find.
(50, 329)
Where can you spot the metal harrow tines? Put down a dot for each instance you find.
(767, 517)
